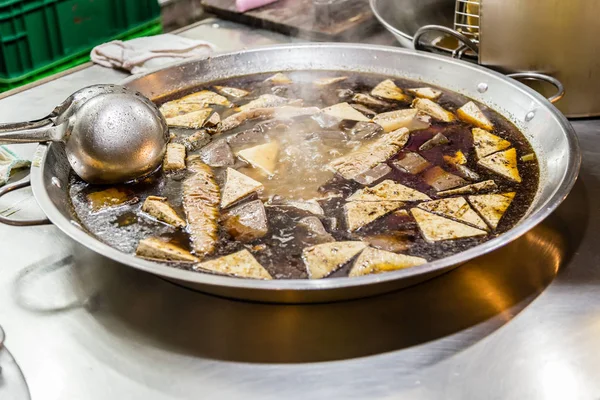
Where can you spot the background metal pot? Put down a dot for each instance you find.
(549, 132)
(517, 36)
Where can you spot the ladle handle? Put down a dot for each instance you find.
(42, 130)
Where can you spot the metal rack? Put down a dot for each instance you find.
(466, 18)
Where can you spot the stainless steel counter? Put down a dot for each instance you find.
(521, 323)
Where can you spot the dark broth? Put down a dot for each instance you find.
(303, 177)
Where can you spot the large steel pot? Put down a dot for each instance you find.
(549, 132)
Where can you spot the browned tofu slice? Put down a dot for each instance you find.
(388, 190)
(264, 101)
(192, 102)
(473, 115)
(204, 97)
(329, 81)
(159, 208)
(279, 79)
(503, 163)
(480, 187)
(455, 208)
(361, 213)
(322, 259)
(367, 100)
(371, 154)
(426, 93)
(374, 261)
(238, 186)
(241, 264)
(492, 206)
(344, 111)
(263, 157)
(388, 90)
(196, 140)
(174, 157)
(193, 120)
(408, 118)
(435, 110)
(174, 109)
(435, 228)
(486, 143)
(157, 249)
(232, 92)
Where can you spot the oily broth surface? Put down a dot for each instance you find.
(301, 175)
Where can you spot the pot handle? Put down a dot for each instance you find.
(16, 222)
(465, 42)
(535, 76)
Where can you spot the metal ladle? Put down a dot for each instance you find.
(111, 134)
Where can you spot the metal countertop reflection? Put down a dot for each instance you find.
(522, 322)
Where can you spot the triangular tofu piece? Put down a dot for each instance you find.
(322, 259)
(344, 111)
(159, 208)
(242, 264)
(435, 110)
(374, 261)
(194, 119)
(237, 187)
(369, 155)
(388, 90)
(435, 228)
(426, 92)
(503, 163)
(204, 97)
(492, 206)
(156, 249)
(473, 115)
(456, 208)
(408, 118)
(329, 81)
(388, 190)
(263, 156)
(486, 143)
(361, 213)
(485, 186)
(279, 79)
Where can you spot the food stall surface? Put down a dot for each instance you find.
(522, 322)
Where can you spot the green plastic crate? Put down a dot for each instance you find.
(42, 37)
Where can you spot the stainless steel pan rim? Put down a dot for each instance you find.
(558, 195)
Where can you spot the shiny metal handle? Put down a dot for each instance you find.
(15, 222)
(42, 130)
(535, 76)
(462, 39)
